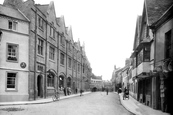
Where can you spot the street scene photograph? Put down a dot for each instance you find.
(86, 57)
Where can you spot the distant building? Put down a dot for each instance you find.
(96, 83)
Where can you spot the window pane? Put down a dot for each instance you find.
(62, 58)
(12, 52)
(10, 25)
(40, 47)
(14, 25)
(11, 77)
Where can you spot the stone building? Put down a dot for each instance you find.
(116, 78)
(55, 60)
(152, 56)
(162, 76)
(14, 51)
(96, 83)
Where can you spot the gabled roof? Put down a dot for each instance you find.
(156, 8)
(43, 8)
(12, 12)
(137, 32)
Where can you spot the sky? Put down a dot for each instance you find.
(106, 27)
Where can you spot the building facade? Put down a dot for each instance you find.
(55, 61)
(152, 57)
(14, 51)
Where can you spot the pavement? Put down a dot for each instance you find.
(40, 101)
(138, 108)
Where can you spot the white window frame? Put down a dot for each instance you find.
(12, 53)
(16, 82)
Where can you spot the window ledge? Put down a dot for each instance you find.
(69, 68)
(63, 45)
(12, 61)
(53, 61)
(52, 38)
(41, 29)
(11, 90)
(40, 55)
(50, 88)
(62, 65)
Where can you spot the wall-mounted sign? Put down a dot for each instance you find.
(23, 65)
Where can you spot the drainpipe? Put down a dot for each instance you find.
(76, 69)
(35, 53)
(58, 61)
(66, 67)
(45, 76)
(81, 68)
(72, 68)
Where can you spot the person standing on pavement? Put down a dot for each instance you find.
(124, 93)
(65, 91)
(81, 92)
(76, 90)
(107, 90)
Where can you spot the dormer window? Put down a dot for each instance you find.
(12, 25)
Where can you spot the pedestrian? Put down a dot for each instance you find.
(68, 92)
(119, 90)
(107, 90)
(76, 90)
(65, 91)
(81, 92)
(124, 93)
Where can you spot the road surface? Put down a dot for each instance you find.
(97, 103)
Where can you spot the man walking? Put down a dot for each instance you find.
(107, 90)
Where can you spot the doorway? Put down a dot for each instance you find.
(39, 86)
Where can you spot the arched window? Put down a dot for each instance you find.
(61, 81)
(50, 80)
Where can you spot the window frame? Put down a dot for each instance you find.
(51, 53)
(16, 82)
(62, 59)
(168, 44)
(17, 52)
(69, 62)
(78, 67)
(74, 65)
(39, 47)
(50, 80)
(52, 31)
(13, 24)
(40, 23)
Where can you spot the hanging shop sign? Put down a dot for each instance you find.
(167, 66)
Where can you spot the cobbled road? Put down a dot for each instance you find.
(97, 103)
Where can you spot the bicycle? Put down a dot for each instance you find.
(56, 96)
